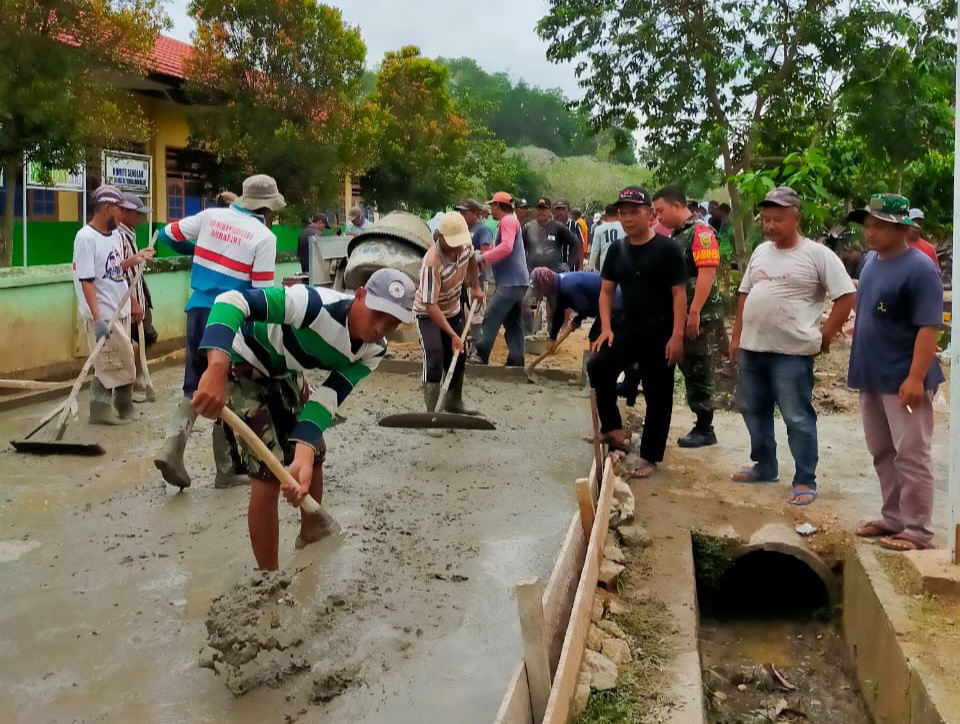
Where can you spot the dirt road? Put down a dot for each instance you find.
(108, 576)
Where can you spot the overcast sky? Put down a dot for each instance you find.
(499, 34)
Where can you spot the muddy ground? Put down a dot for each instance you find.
(109, 576)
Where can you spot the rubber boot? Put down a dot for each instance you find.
(229, 470)
(169, 460)
(702, 434)
(431, 393)
(123, 397)
(454, 399)
(101, 406)
(139, 390)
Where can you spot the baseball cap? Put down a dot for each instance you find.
(354, 212)
(391, 292)
(107, 195)
(634, 195)
(597, 216)
(543, 203)
(469, 205)
(782, 196)
(453, 228)
(320, 217)
(132, 202)
(522, 204)
(260, 192)
(892, 208)
(561, 204)
(501, 197)
(916, 214)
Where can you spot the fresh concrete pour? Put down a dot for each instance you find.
(110, 580)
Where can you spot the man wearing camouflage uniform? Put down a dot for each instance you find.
(704, 309)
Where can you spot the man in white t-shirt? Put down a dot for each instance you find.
(101, 285)
(606, 233)
(776, 337)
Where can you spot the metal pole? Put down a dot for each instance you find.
(953, 485)
(23, 191)
(83, 194)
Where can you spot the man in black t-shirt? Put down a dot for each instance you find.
(651, 273)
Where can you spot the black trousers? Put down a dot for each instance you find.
(437, 347)
(648, 352)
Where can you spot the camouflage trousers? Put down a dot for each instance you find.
(697, 366)
(269, 406)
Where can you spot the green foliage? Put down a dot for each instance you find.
(276, 85)
(54, 101)
(710, 559)
(522, 115)
(423, 146)
(586, 182)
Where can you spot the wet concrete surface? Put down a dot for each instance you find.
(108, 576)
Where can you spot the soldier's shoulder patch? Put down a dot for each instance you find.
(705, 236)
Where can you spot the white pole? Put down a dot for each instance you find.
(953, 485)
(23, 190)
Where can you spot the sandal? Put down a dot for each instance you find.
(642, 469)
(751, 475)
(903, 542)
(799, 495)
(606, 440)
(874, 529)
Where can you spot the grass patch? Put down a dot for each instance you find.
(639, 696)
(711, 561)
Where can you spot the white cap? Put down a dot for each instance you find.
(915, 214)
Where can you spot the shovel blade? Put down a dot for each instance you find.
(36, 447)
(437, 420)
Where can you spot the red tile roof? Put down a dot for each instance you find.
(169, 57)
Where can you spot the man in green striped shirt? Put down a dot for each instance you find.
(258, 344)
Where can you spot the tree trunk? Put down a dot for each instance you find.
(11, 172)
(900, 179)
(739, 235)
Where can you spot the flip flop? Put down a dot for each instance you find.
(811, 494)
(874, 529)
(750, 475)
(903, 542)
(642, 470)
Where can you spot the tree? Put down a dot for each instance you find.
(55, 102)
(276, 84)
(713, 76)
(422, 151)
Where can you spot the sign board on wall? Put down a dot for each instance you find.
(127, 171)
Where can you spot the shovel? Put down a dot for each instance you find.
(531, 377)
(68, 407)
(438, 419)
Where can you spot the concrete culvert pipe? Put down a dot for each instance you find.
(775, 574)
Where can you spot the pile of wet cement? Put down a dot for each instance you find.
(252, 634)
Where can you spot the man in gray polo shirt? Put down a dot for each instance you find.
(777, 336)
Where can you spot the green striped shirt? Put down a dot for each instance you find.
(284, 329)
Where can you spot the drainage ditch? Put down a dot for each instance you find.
(771, 645)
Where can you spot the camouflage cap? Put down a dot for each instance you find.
(892, 208)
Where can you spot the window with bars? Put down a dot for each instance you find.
(176, 199)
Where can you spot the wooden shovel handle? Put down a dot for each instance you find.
(456, 355)
(563, 335)
(308, 504)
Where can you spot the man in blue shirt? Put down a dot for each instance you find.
(893, 364)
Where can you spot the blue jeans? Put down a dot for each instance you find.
(787, 381)
(504, 310)
(195, 362)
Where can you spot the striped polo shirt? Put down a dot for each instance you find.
(232, 249)
(279, 330)
(441, 281)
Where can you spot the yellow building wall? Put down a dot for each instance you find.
(171, 131)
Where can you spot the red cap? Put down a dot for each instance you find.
(501, 197)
